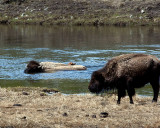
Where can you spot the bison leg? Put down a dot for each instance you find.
(131, 92)
(119, 100)
(121, 93)
(155, 86)
(130, 89)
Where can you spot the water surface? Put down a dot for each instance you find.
(88, 46)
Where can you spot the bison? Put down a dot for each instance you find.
(125, 73)
(36, 67)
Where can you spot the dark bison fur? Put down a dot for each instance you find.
(127, 72)
(33, 67)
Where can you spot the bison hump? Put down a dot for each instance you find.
(135, 66)
(131, 65)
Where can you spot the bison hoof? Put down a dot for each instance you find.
(131, 102)
(118, 102)
(154, 100)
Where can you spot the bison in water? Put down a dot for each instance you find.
(36, 67)
(127, 72)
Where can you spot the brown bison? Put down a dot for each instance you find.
(127, 72)
(36, 67)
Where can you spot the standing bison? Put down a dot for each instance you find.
(127, 72)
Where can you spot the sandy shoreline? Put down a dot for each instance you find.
(30, 107)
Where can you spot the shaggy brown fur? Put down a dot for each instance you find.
(33, 67)
(127, 72)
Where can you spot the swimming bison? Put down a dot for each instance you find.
(36, 67)
(127, 72)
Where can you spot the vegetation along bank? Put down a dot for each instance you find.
(80, 12)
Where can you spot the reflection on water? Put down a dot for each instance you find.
(88, 46)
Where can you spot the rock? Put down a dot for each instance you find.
(24, 117)
(94, 116)
(17, 105)
(103, 114)
(43, 94)
(39, 110)
(25, 93)
(87, 115)
(142, 11)
(65, 114)
(50, 91)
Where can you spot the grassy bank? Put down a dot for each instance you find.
(80, 12)
(119, 20)
(29, 107)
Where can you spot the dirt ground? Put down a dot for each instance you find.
(80, 12)
(32, 108)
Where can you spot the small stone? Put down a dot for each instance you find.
(50, 91)
(17, 105)
(87, 115)
(43, 94)
(39, 110)
(65, 114)
(94, 116)
(142, 11)
(103, 114)
(24, 118)
(25, 93)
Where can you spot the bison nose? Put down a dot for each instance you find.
(26, 70)
(94, 88)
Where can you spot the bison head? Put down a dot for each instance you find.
(33, 67)
(97, 81)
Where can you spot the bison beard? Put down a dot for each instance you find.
(127, 72)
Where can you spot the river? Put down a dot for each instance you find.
(88, 46)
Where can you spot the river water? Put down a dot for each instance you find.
(88, 46)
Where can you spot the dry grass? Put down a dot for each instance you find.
(73, 111)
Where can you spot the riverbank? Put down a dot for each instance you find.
(80, 12)
(31, 107)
